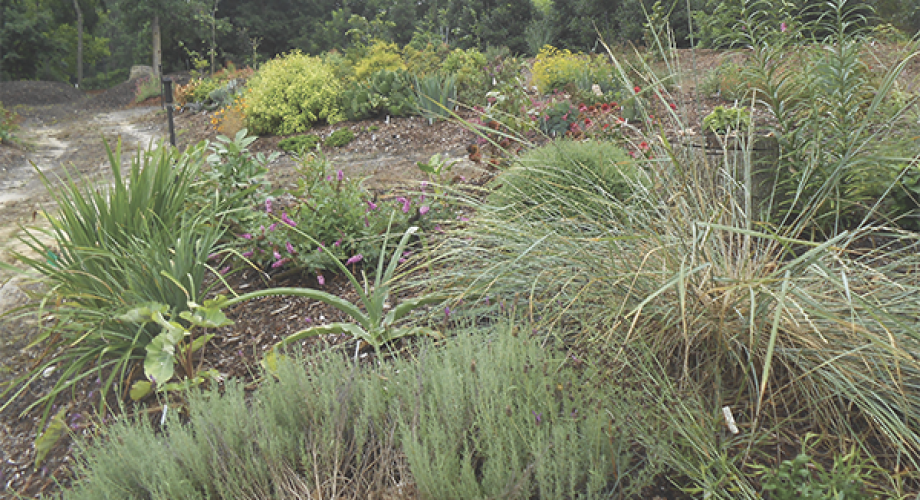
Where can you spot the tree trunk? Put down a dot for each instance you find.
(157, 54)
(76, 6)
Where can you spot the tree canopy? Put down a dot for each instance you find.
(38, 37)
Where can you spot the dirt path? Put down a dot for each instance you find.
(53, 141)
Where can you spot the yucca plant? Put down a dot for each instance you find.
(436, 96)
(108, 250)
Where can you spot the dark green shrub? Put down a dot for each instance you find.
(384, 92)
(299, 144)
(339, 138)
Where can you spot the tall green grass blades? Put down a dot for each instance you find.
(436, 96)
(771, 343)
(116, 247)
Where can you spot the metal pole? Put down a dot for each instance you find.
(168, 102)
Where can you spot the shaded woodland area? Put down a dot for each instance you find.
(44, 39)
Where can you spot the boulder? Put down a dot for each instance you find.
(140, 72)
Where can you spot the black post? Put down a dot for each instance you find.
(168, 102)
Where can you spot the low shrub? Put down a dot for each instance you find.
(543, 181)
(337, 212)
(384, 92)
(484, 416)
(378, 57)
(426, 58)
(339, 138)
(299, 144)
(467, 67)
(554, 69)
(292, 92)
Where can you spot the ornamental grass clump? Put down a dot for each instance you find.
(767, 319)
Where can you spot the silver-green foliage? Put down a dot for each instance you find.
(501, 417)
(542, 181)
(436, 95)
(483, 416)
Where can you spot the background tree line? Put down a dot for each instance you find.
(39, 38)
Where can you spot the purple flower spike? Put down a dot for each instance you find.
(354, 260)
(447, 313)
(272, 227)
(268, 205)
(423, 210)
(287, 220)
(337, 243)
(290, 248)
(537, 417)
(246, 236)
(339, 175)
(371, 206)
(321, 280)
(405, 204)
(279, 263)
(276, 255)
(225, 270)
(248, 254)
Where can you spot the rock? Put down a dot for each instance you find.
(11, 296)
(140, 72)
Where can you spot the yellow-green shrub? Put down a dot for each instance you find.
(380, 56)
(467, 66)
(425, 61)
(291, 93)
(554, 68)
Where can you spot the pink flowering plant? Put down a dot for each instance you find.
(339, 217)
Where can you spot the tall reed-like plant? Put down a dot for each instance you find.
(108, 250)
(834, 123)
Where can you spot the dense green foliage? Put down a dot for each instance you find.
(110, 250)
(291, 93)
(36, 35)
(524, 421)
